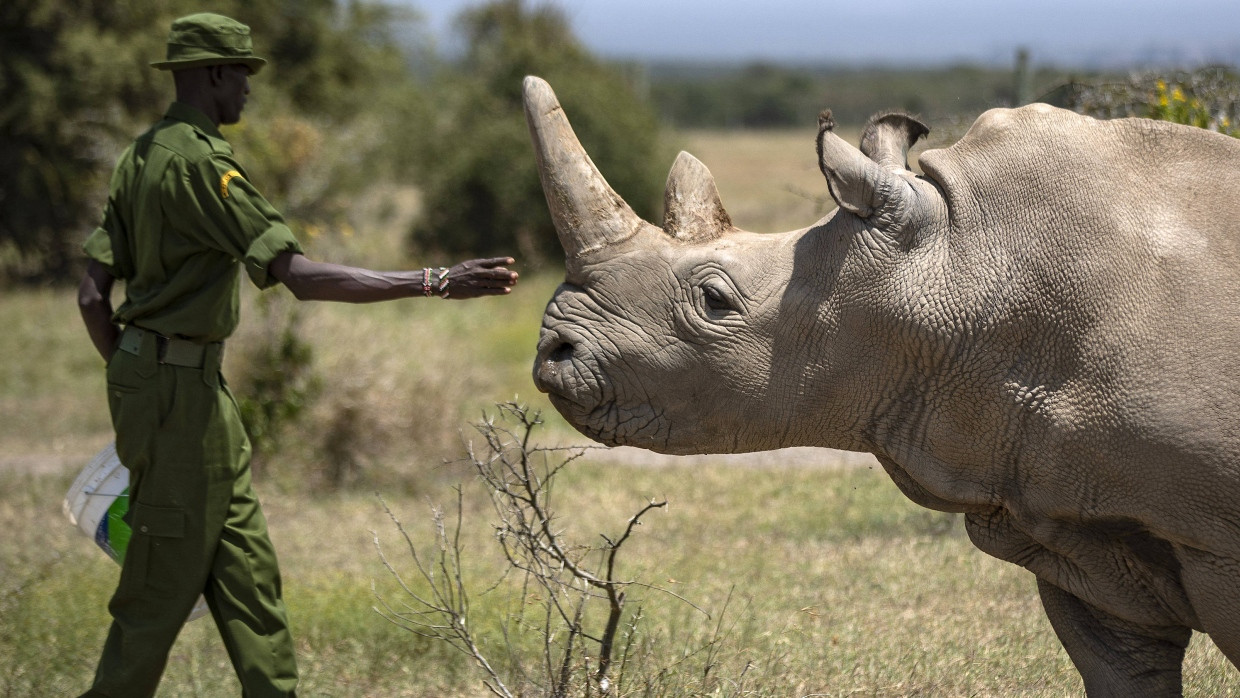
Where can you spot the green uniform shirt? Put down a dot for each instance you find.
(180, 216)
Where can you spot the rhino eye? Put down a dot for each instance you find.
(718, 300)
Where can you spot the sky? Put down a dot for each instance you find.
(1085, 33)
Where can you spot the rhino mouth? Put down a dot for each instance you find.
(610, 424)
(580, 390)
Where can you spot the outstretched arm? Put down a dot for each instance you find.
(95, 304)
(323, 281)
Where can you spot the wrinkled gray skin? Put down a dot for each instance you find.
(1040, 333)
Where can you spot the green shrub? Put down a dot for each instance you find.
(1170, 103)
(278, 382)
(1206, 98)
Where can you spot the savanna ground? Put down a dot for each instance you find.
(819, 578)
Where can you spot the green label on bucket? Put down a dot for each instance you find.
(113, 533)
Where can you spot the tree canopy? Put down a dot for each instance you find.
(76, 87)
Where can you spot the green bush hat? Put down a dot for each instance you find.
(209, 39)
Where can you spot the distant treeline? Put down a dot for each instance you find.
(763, 95)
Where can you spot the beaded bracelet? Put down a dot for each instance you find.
(443, 282)
(435, 282)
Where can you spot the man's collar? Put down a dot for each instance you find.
(194, 117)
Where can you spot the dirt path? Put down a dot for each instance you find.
(784, 457)
(60, 463)
(44, 463)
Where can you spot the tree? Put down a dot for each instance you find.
(480, 185)
(76, 87)
(72, 77)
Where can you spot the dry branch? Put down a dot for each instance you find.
(519, 479)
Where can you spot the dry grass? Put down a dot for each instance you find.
(769, 181)
(838, 587)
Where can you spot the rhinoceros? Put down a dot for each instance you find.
(1041, 332)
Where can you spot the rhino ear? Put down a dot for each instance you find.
(692, 209)
(857, 183)
(887, 138)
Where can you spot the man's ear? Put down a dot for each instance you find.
(216, 74)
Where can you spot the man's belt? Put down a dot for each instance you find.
(168, 350)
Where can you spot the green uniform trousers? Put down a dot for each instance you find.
(197, 529)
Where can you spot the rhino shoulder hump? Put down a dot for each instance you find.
(1006, 137)
(1031, 120)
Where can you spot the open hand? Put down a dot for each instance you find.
(481, 277)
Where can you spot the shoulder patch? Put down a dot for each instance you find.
(225, 179)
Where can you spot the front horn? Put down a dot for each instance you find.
(588, 214)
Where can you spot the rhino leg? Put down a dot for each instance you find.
(1210, 581)
(1115, 657)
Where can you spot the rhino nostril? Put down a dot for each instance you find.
(564, 352)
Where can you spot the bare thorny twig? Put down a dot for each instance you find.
(440, 613)
(519, 479)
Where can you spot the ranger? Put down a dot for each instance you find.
(181, 218)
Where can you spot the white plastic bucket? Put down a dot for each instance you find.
(97, 500)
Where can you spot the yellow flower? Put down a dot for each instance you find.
(1177, 94)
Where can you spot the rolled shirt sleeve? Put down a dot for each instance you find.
(98, 246)
(101, 244)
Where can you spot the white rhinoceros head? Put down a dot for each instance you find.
(700, 337)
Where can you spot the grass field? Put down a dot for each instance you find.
(819, 578)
